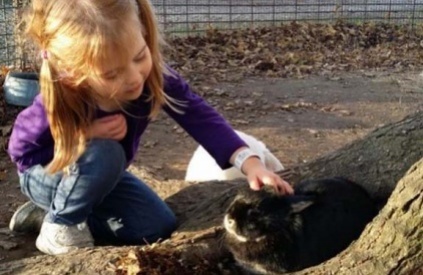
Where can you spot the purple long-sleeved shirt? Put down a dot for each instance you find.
(31, 141)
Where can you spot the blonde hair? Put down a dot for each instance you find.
(77, 35)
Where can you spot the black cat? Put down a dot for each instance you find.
(269, 234)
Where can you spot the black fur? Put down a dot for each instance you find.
(290, 233)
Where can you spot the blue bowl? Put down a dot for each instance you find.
(20, 88)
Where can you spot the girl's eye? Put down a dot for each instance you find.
(111, 76)
(139, 59)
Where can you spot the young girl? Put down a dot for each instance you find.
(102, 80)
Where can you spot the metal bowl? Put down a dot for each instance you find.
(20, 88)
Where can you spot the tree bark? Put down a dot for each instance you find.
(377, 162)
(391, 244)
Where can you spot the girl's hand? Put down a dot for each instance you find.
(109, 127)
(258, 176)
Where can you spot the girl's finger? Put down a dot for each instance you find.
(288, 187)
(254, 183)
(108, 118)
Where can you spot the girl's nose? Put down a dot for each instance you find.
(134, 75)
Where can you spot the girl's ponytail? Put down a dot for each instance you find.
(67, 116)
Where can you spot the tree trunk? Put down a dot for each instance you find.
(377, 162)
(391, 244)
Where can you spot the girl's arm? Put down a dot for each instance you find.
(215, 134)
(31, 142)
(202, 121)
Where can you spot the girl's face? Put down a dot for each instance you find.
(122, 81)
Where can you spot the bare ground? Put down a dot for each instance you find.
(298, 119)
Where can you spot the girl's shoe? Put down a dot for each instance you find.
(27, 218)
(55, 239)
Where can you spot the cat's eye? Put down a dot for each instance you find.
(229, 222)
(251, 226)
(252, 212)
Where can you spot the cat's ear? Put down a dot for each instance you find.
(300, 205)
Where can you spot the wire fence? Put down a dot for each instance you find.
(187, 16)
(182, 17)
(8, 43)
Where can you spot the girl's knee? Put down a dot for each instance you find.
(106, 148)
(156, 231)
(103, 158)
(167, 227)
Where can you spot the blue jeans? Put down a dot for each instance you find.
(118, 207)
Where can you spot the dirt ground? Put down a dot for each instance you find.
(298, 119)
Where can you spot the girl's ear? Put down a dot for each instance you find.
(300, 205)
(66, 77)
